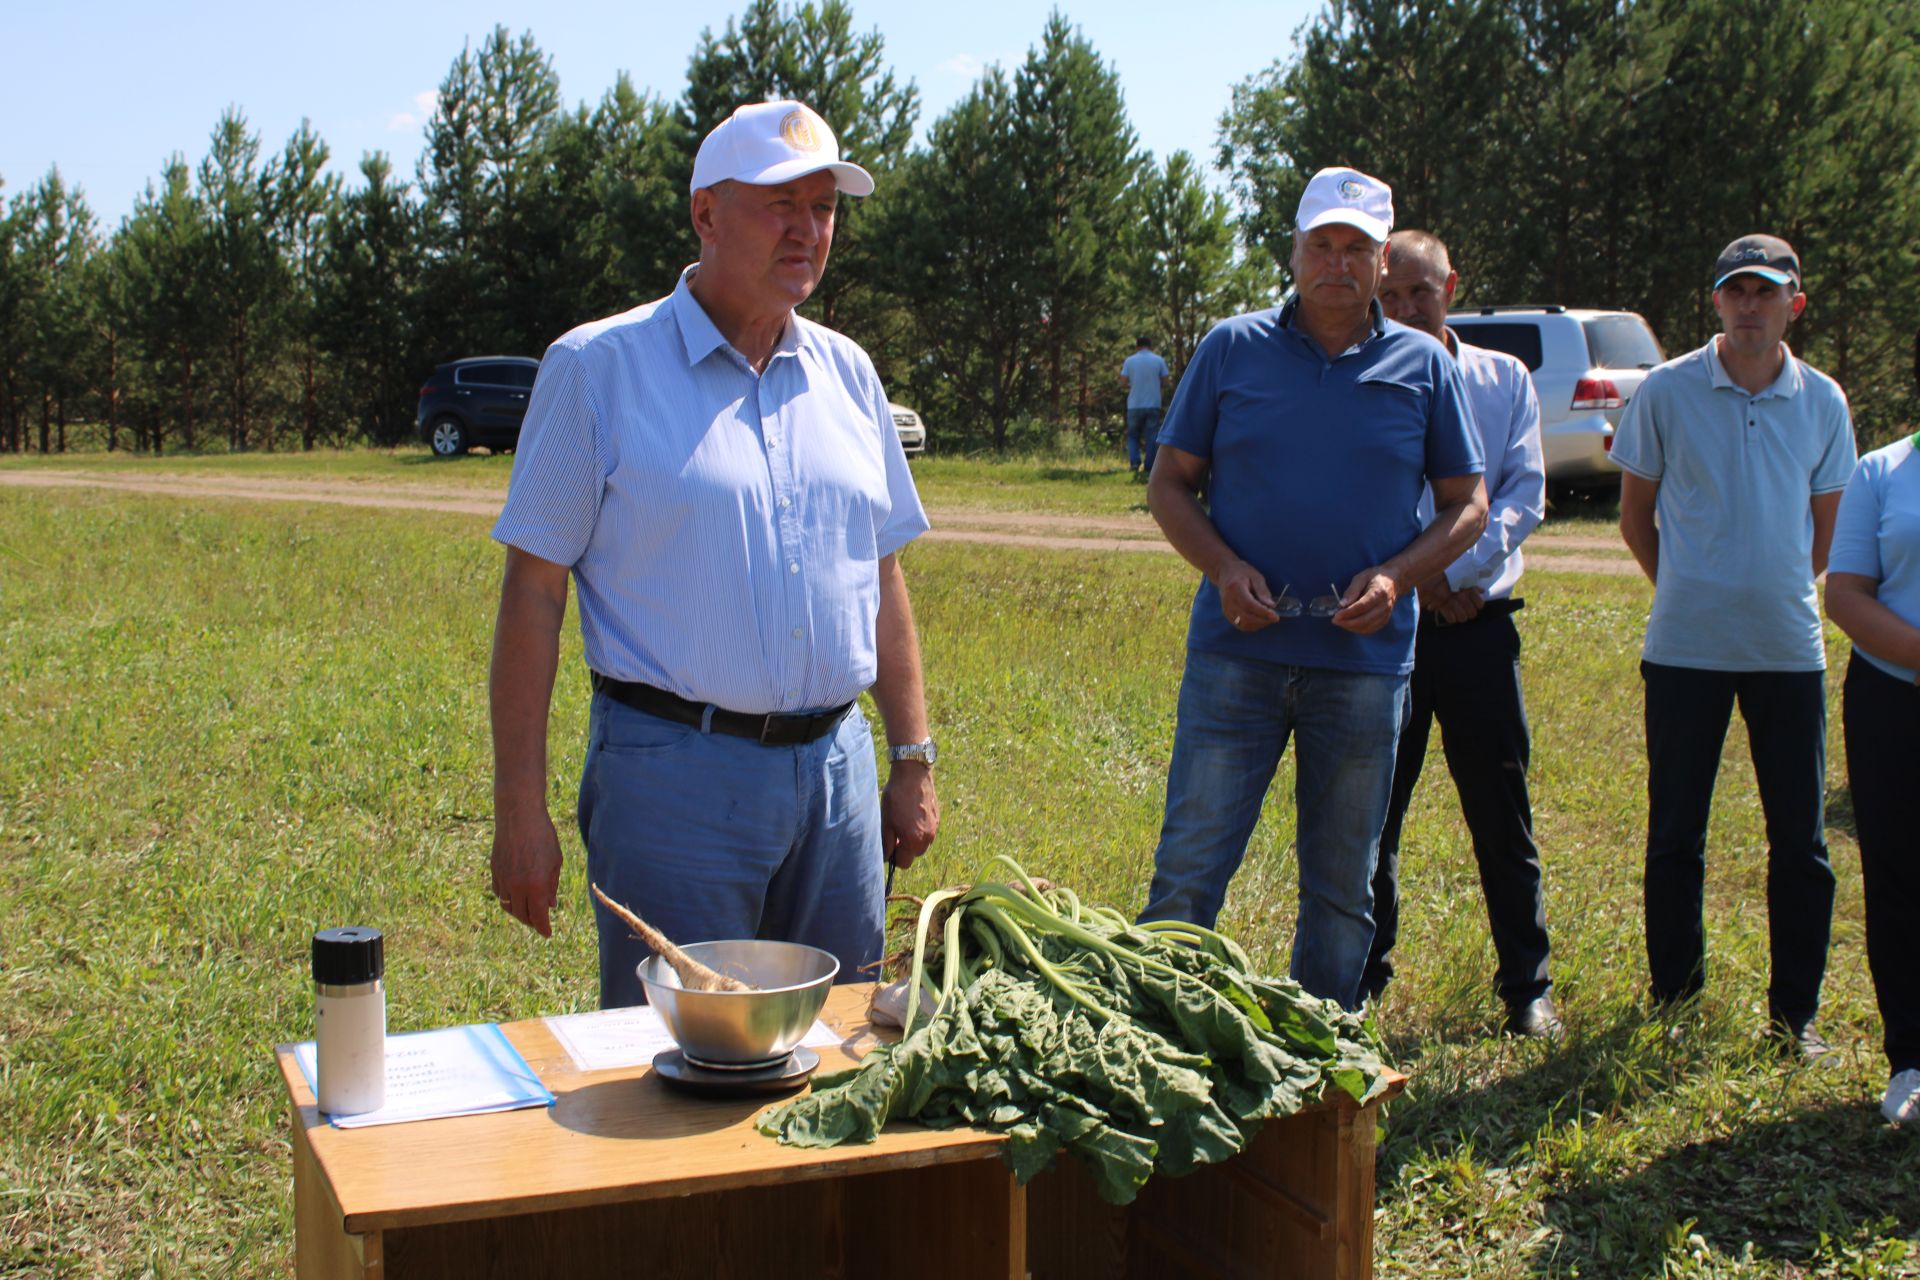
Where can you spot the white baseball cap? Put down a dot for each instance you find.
(770, 143)
(1349, 196)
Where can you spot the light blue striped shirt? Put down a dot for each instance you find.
(1506, 414)
(724, 528)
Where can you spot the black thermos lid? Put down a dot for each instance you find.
(347, 957)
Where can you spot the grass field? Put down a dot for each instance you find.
(224, 725)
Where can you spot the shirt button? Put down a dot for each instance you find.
(773, 442)
(792, 694)
(785, 503)
(797, 633)
(793, 566)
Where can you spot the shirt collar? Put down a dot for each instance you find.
(702, 337)
(1376, 319)
(1784, 387)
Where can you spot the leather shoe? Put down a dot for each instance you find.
(1535, 1017)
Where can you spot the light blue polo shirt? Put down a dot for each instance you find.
(1143, 371)
(1317, 469)
(724, 527)
(1736, 473)
(1877, 535)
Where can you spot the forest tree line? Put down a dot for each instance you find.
(1592, 153)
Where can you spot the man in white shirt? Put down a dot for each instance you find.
(1466, 665)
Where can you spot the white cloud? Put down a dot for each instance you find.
(964, 65)
(423, 104)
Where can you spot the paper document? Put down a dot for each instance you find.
(453, 1071)
(630, 1037)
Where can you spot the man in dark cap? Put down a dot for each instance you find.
(1733, 460)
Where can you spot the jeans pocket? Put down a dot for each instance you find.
(623, 731)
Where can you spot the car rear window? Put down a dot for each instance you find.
(1621, 342)
(1521, 341)
(497, 375)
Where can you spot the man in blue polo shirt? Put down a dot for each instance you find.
(1733, 460)
(1313, 430)
(723, 481)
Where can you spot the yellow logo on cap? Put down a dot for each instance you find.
(799, 132)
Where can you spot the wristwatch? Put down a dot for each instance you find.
(925, 752)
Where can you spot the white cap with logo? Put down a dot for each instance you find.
(1349, 196)
(769, 143)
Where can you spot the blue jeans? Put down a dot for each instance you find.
(707, 836)
(1235, 717)
(1142, 426)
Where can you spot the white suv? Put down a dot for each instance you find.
(913, 432)
(1586, 365)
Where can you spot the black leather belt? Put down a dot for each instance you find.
(774, 730)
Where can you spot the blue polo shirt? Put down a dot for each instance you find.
(1318, 463)
(1737, 475)
(1877, 535)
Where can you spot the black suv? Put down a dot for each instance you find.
(475, 401)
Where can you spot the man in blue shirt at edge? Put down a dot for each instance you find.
(1313, 430)
(723, 480)
(1732, 462)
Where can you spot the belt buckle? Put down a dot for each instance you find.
(766, 727)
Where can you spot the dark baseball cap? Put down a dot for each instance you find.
(1768, 257)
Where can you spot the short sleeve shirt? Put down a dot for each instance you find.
(724, 527)
(1317, 467)
(1877, 535)
(1737, 472)
(1143, 371)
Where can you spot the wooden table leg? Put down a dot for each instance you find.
(323, 1248)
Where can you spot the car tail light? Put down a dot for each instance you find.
(1597, 393)
(1606, 444)
(429, 389)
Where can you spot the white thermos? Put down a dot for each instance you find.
(350, 1008)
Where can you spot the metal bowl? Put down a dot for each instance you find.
(743, 1028)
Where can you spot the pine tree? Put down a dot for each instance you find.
(303, 198)
(246, 277)
(367, 302)
(1073, 152)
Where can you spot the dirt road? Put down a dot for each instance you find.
(1547, 550)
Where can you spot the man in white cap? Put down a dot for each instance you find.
(723, 481)
(1313, 429)
(1733, 459)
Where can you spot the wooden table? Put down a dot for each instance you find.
(625, 1176)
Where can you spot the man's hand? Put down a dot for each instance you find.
(1367, 604)
(1435, 592)
(1245, 598)
(1463, 606)
(909, 812)
(526, 867)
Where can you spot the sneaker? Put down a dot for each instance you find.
(1806, 1045)
(1534, 1018)
(1902, 1103)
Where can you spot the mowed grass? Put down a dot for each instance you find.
(225, 725)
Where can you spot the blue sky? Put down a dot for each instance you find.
(109, 90)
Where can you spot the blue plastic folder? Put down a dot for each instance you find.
(452, 1071)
